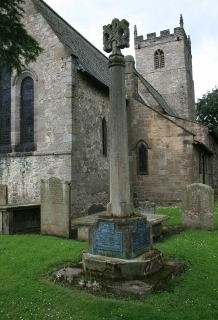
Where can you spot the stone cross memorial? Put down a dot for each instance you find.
(119, 237)
(116, 37)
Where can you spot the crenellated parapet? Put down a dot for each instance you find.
(165, 35)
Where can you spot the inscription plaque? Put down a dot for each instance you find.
(55, 194)
(141, 237)
(107, 238)
(120, 238)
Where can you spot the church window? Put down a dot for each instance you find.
(159, 61)
(104, 137)
(142, 158)
(26, 115)
(5, 110)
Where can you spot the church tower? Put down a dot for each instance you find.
(166, 62)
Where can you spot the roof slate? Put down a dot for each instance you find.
(90, 59)
(166, 107)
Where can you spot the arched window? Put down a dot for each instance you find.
(159, 61)
(26, 115)
(104, 137)
(142, 158)
(5, 110)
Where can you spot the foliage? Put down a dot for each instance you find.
(207, 110)
(17, 47)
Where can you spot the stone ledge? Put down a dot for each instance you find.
(82, 224)
(18, 206)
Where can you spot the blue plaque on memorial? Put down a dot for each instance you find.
(107, 238)
(141, 237)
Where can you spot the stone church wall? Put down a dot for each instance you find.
(215, 171)
(68, 111)
(209, 152)
(90, 168)
(170, 162)
(23, 174)
(177, 148)
(52, 75)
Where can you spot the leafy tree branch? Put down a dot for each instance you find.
(17, 47)
(207, 110)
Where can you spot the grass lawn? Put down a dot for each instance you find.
(27, 292)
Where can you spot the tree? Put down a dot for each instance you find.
(207, 110)
(17, 47)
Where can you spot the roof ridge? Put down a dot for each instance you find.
(156, 95)
(91, 58)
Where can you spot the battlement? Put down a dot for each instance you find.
(163, 35)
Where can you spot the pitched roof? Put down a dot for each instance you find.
(90, 59)
(166, 107)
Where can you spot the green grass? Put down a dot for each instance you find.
(175, 214)
(27, 292)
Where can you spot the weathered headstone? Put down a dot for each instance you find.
(3, 200)
(147, 207)
(198, 204)
(55, 207)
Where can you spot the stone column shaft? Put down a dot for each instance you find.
(120, 202)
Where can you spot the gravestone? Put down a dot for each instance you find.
(198, 203)
(55, 207)
(4, 216)
(147, 207)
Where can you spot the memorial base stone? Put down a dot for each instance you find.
(122, 248)
(124, 238)
(115, 268)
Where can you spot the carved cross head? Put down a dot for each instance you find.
(116, 35)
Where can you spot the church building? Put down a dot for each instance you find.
(54, 118)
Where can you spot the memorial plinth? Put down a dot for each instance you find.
(115, 268)
(124, 238)
(122, 248)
